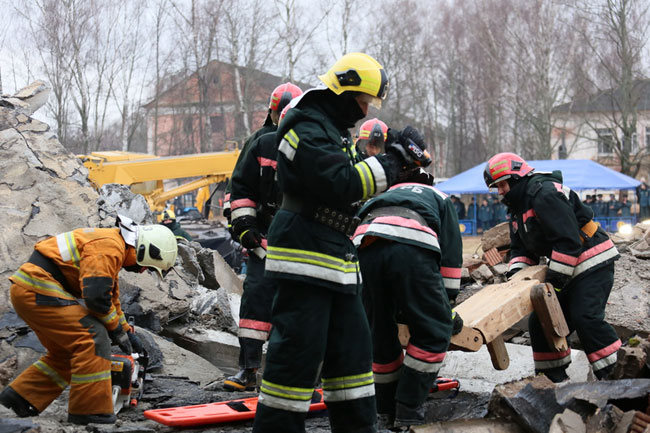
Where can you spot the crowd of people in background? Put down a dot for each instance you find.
(491, 211)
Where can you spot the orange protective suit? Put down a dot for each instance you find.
(68, 294)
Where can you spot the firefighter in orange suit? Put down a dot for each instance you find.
(67, 292)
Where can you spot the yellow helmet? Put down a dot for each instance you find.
(357, 72)
(156, 248)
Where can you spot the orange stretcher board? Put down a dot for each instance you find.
(213, 413)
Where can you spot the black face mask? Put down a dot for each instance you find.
(343, 109)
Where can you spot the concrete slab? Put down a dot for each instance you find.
(476, 373)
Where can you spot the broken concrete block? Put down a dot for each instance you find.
(497, 237)
(498, 406)
(189, 260)
(500, 269)
(599, 393)
(535, 406)
(607, 419)
(630, 363)
(482, 273)
(471, 262)
(567, 422)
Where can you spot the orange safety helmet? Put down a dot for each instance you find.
(504, 166)
(282, 95)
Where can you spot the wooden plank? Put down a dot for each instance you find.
(467, 340)
(550, 315)
(498, 353)
(498, 307)
(226, 277)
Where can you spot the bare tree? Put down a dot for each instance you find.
(616, 34)
(296, 31)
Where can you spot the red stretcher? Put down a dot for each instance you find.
(214, 413)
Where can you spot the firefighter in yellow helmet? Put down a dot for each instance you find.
(319, 327)
(168, 219)
(67, 292)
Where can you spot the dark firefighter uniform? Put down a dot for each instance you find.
(255, 198)
(268, 126)
(79, 265)
(319, 324)
(410, 253)
(547, 219)
(178, 230)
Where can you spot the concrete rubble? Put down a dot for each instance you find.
(189, 319)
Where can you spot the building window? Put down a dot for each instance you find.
(634, 147)
(562, 152)
(605, 141)
(216, 123)
(188, 125)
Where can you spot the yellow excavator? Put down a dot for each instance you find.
(145, 173)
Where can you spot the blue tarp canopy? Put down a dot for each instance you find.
(578, 174)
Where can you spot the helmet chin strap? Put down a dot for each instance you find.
(128, 229)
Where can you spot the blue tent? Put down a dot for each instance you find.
(578, 174)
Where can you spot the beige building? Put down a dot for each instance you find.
(592, 128)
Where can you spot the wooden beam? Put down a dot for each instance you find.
(497, 307)
(498, 353)
(550, 315)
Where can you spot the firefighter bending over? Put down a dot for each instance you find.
(547, 219)
(410, 253)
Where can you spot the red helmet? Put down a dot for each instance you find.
(373, 132)
(504, 166)
(282, 95)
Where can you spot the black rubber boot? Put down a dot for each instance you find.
(605, 373)
(556, 374)
(100, 418)
(244, 380)
(406, 416)
(14, 401)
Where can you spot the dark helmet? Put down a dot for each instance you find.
(504, 166)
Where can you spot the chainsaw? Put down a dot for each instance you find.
(127, 378)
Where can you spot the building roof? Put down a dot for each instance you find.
(261, 79)
(608, 100)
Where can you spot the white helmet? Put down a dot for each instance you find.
(156, 248)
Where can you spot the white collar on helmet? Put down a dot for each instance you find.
(128, 229)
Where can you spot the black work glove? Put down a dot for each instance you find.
(246, 232)
(457, 323)
(409, 147)
(251, 238)
(136, 343)
(120, 339)
(558, 280)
